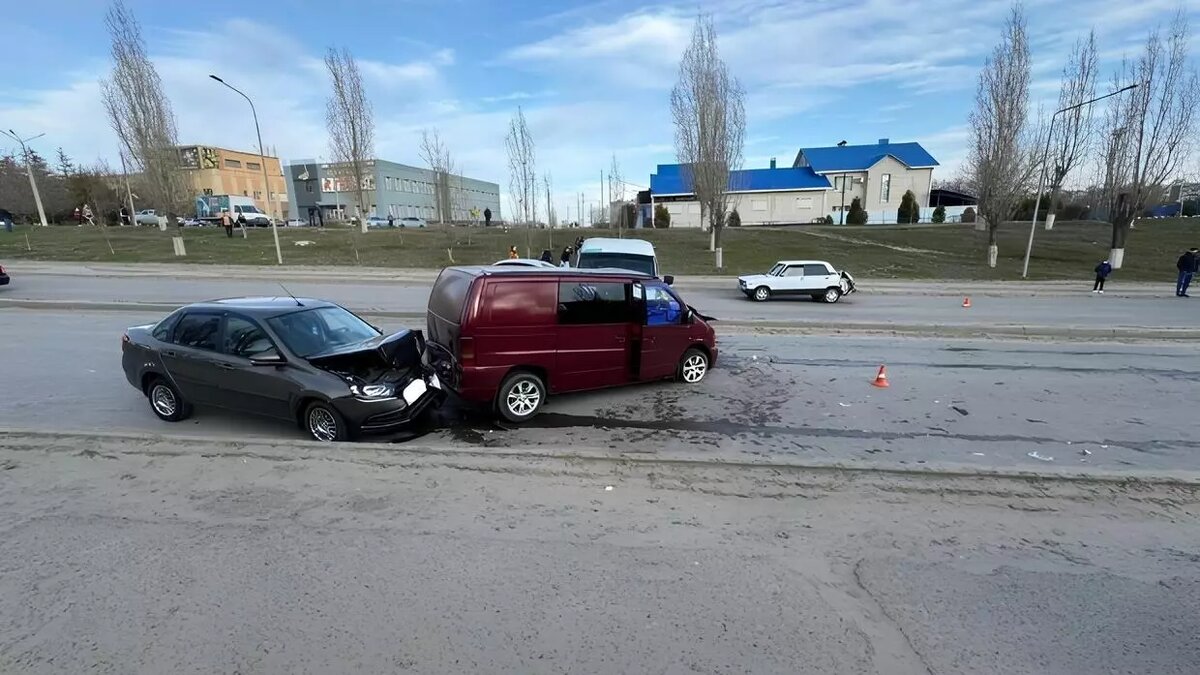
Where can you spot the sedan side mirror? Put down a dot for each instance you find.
(271, 358)
(669, 280)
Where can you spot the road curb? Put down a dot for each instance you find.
(765, 326)
(488, 459)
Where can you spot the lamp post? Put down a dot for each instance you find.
(263, 163)
(37, 197)
(1046, 159)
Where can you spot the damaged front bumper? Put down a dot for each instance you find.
(375, 416)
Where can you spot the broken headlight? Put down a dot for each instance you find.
(373, 392)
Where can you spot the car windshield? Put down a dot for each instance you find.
(321, 329)
(250, 209)
(625, 261)
(777, 270)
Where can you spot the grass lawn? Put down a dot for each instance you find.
(1070, 251)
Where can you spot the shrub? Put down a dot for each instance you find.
(939, 214)
(662, 217)
(857, 215)
(908, 212)
(968, 215)
(734, 220)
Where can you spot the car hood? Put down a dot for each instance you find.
(384, 357)
(748, 278)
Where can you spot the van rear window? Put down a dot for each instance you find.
(624, 261)
(450, 294)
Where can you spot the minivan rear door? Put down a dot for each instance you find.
(595, 327)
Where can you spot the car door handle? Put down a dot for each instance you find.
(170, 352)
(621, 340)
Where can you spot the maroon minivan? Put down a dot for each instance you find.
(509, 336)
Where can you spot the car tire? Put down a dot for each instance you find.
(762, 294)
(324, 423)
(166, 401)
(693, 366)
(520, 397)
(832, 295)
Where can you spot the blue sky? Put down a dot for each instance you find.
(593, 77)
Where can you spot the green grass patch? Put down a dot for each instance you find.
(1070, 251)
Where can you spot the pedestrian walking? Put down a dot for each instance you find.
(78, 216)
(124, 216)
(227, 223)
(1102, 271)
(512, 253)
(565, 259)
(87, 214)
(1187, 265)
(487, 217)
(391, 220)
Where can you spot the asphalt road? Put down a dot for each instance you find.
(787, 398)
(156, 558)
(1084, 311)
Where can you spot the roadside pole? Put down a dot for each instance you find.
(37, 197)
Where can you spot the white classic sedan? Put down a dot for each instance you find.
(815, 278)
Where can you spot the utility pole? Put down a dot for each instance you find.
(128, 191)
(37, 197)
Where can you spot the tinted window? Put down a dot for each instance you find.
(245, 339)
(625, 261)
(593, 302)
(521, 303)
(815, 270)
(449, 294)
(163, 330)
(661, 307)
(321, 329)
(198, 331)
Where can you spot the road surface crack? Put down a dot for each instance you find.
(857, 573)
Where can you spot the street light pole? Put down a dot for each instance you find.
(1037, 203)
(263, 163)
(37, 197)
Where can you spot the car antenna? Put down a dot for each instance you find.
(285, 290)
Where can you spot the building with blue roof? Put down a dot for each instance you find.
(821, 182)
(878, 174)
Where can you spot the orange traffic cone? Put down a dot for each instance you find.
(966, 302)
(881, 379)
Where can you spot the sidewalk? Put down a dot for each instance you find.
(384, 275)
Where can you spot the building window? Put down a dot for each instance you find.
(758, 205)
(308, 187)
(804, 202)
(233, 164)
(257, 194)
(254, 166)
(885, 188)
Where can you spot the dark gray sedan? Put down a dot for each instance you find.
(299, 359)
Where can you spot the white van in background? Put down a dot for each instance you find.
(627, 254)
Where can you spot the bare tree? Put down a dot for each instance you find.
(140, 113)
(1000, 165)
(1072, 137)
(710, 125)
(1156, 121)
(351, 123)
(522, 168)
(437, 155)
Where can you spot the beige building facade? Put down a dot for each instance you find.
(220, 171)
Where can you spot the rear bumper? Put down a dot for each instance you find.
(4, 279)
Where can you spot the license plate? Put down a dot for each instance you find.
(415, 390)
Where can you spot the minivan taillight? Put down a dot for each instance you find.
(466, 351)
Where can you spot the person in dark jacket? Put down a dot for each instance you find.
(1187, 266)
(547, 256)
(1102, 271)
(565, 259)
(487, 217)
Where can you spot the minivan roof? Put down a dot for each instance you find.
(513, 270)
(610, 245)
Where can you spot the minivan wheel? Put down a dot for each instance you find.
(166, 402)
(693, 366)
(520, 396)
(324, 424)
(832, 295)
(762, 294)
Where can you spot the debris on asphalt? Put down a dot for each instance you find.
(608, 488)
(1085, 451)
(960, 411)
(1035, 455)
(781, 535)
(305, 242)
(844, 405)
(977, 454)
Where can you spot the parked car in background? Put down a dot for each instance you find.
(6, 220)
(377, 222)
(510, 336)
(814, 278)
(307, 361)
(411, 221)
(3, 276)
(146, 217)
(627, 254)
(522, 262)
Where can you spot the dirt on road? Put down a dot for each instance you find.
(159, 555)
